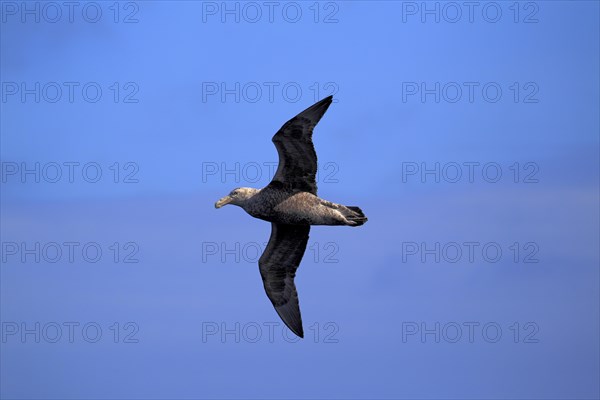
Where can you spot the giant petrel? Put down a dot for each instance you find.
(291, 204)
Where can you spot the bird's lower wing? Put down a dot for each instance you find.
(278, 265)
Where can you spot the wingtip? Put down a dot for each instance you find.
(317, 110)
(291, 318)
(297, 331)
(327, 100)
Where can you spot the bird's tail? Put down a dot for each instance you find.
(355, 216)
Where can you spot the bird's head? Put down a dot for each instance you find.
(236, 197)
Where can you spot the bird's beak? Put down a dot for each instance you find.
(223, 201)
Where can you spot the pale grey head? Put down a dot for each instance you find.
(237, 197)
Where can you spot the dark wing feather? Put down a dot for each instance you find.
(297, 158)
(278, 265)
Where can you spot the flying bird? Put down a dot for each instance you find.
(291, 204)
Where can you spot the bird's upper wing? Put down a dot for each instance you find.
(278, 265)
(297, 158)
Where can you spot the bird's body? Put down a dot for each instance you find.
(291, 204)
(296, 208)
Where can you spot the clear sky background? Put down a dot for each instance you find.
(190, 96)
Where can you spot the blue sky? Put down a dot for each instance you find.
(460, 132)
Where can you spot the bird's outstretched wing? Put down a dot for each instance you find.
(278, 265)
(297, 158)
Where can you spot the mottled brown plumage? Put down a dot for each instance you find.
(291, 204)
